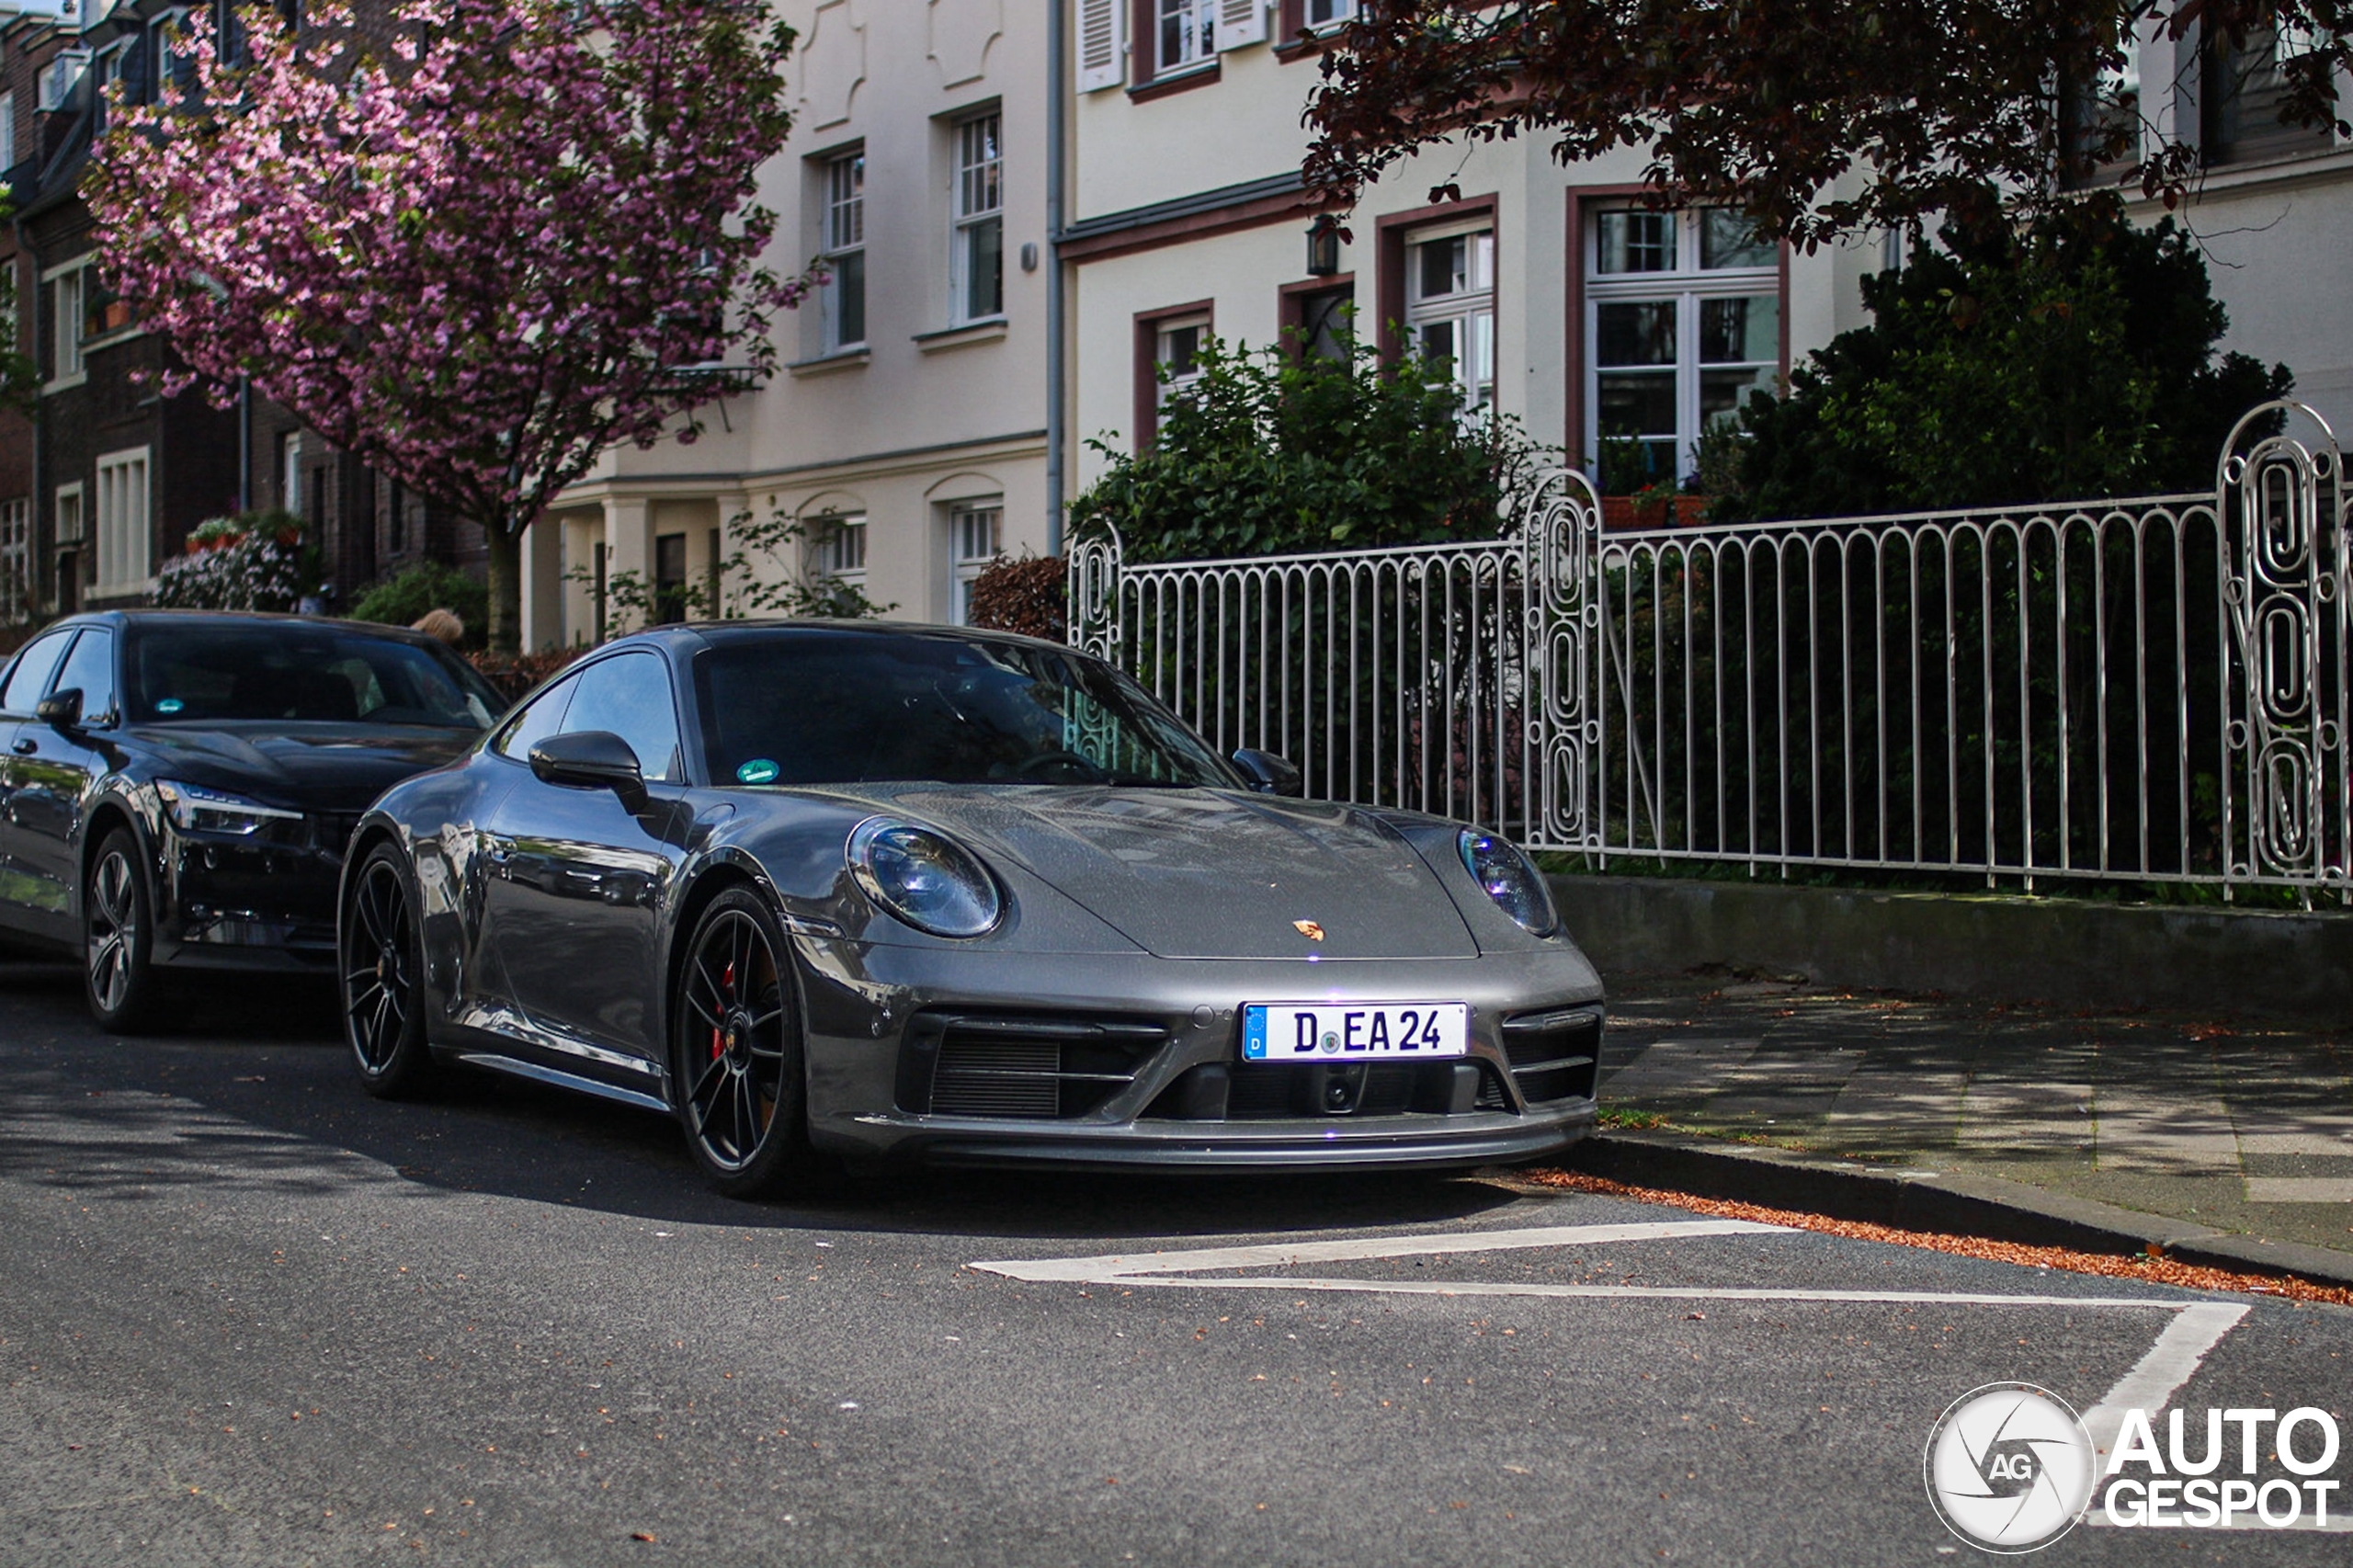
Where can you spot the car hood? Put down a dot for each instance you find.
(320, 767)
(1208, 874)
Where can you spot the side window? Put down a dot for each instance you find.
(631, 697)
(90, 669)
(31, 677)
(543, 717)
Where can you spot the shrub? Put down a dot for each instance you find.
(254, 561)
(2073, 359)
(400, 599)
(1272, 450)
(516, 674)
(1028, 596)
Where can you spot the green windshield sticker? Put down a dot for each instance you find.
(170, 705)
(759, 770)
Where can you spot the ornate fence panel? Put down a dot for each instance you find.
(1446, 679)
(2144, 689)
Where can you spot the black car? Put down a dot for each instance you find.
(176, 788)
(960, 897)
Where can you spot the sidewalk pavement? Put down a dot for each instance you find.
(2233, 1133)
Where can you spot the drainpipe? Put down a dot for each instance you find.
(1056, 11)
(26, 248)
(245, 444)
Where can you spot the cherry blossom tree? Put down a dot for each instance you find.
(475, 252)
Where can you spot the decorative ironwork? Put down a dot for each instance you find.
(2149, 689)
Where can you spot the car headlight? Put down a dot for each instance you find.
(926, 879)
(1497, 865)
(195, 809)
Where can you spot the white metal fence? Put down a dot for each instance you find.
(2151, 689)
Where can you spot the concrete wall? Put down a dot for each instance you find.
(2064, 951)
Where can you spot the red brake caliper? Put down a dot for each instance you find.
(727, 986)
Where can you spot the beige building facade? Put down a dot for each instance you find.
(907, 435)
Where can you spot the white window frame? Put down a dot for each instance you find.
(125, 522)
(1469, 311)
(843, 231)
(1164, 355)
(69, 286)
(975, 538)
(1195, 30)
(836, 545)
(16, 558)
(976, 208)
(159, 48)
(67, 501)
(1689, 286)
(7, 131)
(1342, 12)
(55, 84)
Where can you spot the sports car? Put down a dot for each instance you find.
(928, 894)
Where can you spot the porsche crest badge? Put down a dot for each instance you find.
(1309, 930)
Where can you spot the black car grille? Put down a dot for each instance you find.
(1555, 1054)
(1293, 1089)
(1029, 1068)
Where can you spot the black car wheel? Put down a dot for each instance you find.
(383, 968)
(738, 1052)
(118, 937)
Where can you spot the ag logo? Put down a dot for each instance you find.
(2008, 1467)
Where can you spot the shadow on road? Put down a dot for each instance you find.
(275, 1106)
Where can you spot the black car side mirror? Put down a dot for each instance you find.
(1268, 774)
(60, 709)
(591, 760)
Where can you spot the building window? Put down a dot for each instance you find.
(977, 267)
(72, 293)
(125, 530)
(7, 131)
(837, 550)
(1176, 357)
(1683, 325)
(16, 559)
(69, 514)
(2239, 108)
(1451, 308)
(1319, 322)
(669, 579)
(845, 252)
(1323, 14)
(974, 534)
(1187, 34)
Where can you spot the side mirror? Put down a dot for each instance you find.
(591, 760)
(1268, 774)
(60, 709)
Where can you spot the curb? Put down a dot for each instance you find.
(1948, 1202)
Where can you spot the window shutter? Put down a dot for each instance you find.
(1098, 43)
(1240, 22)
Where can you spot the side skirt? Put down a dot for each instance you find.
(563, 1080)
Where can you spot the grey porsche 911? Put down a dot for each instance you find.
(953, 896)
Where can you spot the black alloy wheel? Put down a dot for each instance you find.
(736, 1058)
(118, 937)
(383, 952)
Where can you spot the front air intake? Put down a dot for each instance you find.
(1033, 1069)
(1555, 1055)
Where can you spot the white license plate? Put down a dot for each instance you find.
(1296, 1031)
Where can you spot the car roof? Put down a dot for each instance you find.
(719, 634)
(198, 618)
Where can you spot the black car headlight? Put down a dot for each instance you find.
(926, 879)
(194, 809)
(1497, 865)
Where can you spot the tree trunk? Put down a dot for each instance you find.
(506, 586)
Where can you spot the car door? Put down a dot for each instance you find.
(56, 767)
(580, 879)
(24, 902)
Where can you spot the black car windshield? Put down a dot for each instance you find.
(816, 707)
(300, 671)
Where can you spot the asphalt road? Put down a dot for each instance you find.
(248, 1315)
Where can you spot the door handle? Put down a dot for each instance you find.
(26, 747)
(501, 850)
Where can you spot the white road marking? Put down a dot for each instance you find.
(1664, 1293)
(1114, 1268)
(2186, 1342)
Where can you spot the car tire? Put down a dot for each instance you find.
(737, 1062)
(381, 955)
(118, 978)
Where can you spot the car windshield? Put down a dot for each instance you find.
(815, 707)
(315, 672)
